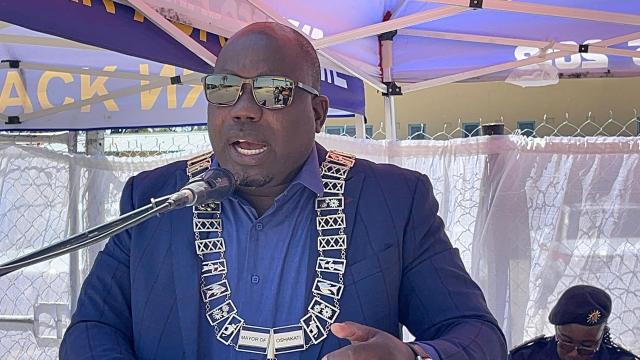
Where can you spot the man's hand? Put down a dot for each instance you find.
(368, 344)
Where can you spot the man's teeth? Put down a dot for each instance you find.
(248, 151)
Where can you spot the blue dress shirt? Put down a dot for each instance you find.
(267, 260)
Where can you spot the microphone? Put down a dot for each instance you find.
(215, 184)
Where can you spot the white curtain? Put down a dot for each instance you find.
(531, 217)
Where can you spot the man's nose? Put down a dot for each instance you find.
(246, 109)
(573, 355)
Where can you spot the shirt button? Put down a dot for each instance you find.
(259, 226)
(255, 279)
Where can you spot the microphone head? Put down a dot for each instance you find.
(222, 183)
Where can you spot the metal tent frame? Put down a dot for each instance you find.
(547, 49)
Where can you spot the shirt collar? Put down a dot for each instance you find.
(309, 175)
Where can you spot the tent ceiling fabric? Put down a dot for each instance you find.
(347, 31)
(438, 41)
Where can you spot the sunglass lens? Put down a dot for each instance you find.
(222, 89)
(273, 92)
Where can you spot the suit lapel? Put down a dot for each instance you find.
(185, 275)
(351, 194)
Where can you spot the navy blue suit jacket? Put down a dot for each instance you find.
(141, 299)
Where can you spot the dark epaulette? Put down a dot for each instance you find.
(615, 349)
(532, 342)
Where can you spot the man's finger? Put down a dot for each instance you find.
(351, 352)
(353, 332)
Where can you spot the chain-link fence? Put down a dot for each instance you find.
(546, 126)
(46, 196)
(34, 212)
(171, 142)
(583, 224)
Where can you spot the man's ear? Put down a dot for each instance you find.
(320, 106)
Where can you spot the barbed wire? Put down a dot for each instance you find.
(547, 126)
(173, 141)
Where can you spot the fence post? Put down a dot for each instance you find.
(390, 118)
(502, 193)
(73, 213)
(360, 128)
(96, 194)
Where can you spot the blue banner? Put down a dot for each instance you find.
(124, 41)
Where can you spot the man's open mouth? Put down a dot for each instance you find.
(248, 147)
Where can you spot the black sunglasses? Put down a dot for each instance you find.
(269, 92)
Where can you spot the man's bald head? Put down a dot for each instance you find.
(269, 39)
(265, 148)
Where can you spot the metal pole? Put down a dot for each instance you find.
(390, 118)
(95, 205)
(360, 128)
(21, 323)
(494, 290)
(38, 138)
(75, 277)
(386, 63)
(504, 272)
(95, 143)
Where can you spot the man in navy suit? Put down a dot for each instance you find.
(182, 286)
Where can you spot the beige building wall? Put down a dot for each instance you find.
(492, 101)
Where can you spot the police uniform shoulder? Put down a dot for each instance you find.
(617, 352)
(536, 342)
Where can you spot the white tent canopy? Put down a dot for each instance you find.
(394, 45)
(407, 45)
(441, 41)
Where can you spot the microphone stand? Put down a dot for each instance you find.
(89, 236)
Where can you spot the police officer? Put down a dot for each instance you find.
(580, 319)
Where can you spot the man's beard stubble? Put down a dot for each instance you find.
(253, 181)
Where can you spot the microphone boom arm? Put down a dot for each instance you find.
(215, 184)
